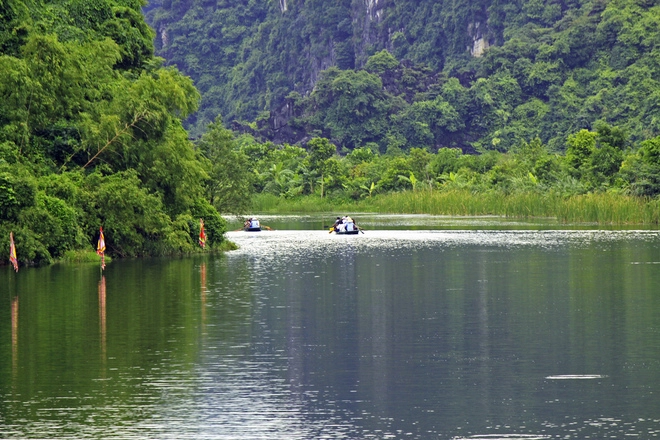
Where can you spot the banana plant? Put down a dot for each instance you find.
(412, 180)
(370, 189)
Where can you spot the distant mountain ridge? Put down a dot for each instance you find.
(494, 72)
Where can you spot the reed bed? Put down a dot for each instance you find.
(609, 208)
(465, 203)
(268, 203)
(600, 208)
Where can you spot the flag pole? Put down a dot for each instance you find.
(100, 248)
(12, 252)
(202, 234)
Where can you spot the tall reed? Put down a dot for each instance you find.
(269, 203)
(601, 208)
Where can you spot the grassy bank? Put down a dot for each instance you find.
(602, 208)
(83, 256)
(90, 256)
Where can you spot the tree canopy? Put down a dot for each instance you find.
(478, 76)
(91, 135)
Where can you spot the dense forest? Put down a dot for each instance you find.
(481, 75)
(91, 135)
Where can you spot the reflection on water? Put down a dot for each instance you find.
(463, 334)
(407, 222)
(14, 336)
(102, 323)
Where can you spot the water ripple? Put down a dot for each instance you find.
(271, 244)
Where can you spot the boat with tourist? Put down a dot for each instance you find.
(345, 226)
(252, 225)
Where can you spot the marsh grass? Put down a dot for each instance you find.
(83, 257)
(269, 203)
(465, 203)
(601, 208)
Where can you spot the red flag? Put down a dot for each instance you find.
(202, 234)
(12, 252)
(100, 248)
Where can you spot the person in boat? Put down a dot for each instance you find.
(349, 224)
(344, 224)
(252, 223)
(335, 227)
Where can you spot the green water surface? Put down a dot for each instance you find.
(472, 332)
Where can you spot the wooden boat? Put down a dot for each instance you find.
(252, 225)
(349, 228)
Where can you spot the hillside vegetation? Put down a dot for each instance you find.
(483, 75)
(542, 107)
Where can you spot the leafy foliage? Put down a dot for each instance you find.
(411, 73)
(230, 178)
(91, 135)
(596, 163)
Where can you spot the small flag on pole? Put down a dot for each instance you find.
(202, 233)
(100, 248)
(12, 252)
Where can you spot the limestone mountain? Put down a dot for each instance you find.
(484, 74)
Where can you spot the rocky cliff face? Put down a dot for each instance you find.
(364, 16)
(479, 40)
(367, 14)
(247, 56)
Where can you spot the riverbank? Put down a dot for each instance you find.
(89, 256)
(601, 208)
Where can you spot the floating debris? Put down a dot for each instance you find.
(504, 437)
(575, 376)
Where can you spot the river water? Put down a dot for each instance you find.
(420, 327)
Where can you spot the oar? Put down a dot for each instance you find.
(268, 228)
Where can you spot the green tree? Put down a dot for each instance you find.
(321, 163)
(603, 165)
(642, 170)
(230, 178)
(351, 105)
(381, 62)
(14, 25)
(427, 124)
(580, 147)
